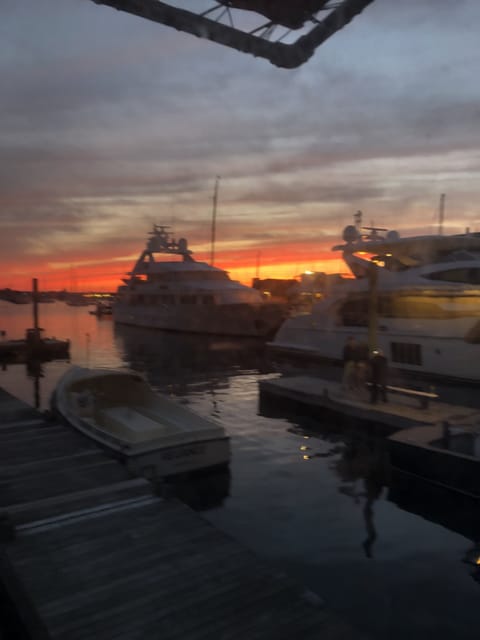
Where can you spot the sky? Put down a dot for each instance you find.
(110, 123)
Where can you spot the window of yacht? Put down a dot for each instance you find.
(406, 353)
(433, 306)
(188, 299)
(208, 299)
(468, 275)
(194, 275)
(354, 312)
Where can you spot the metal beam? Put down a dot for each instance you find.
(288, 56)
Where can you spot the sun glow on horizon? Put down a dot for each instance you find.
(107, 275)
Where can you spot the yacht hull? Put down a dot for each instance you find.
(422, 355)
(227, 319)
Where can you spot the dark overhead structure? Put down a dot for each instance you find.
(287, 34)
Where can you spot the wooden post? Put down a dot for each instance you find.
(35, 304)
(372, 307)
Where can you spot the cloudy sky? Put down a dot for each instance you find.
(109, 123)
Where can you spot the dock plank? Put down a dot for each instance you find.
(97, 555)
(168, 573)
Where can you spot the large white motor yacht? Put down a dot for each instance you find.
(417, 298)
(180, 294)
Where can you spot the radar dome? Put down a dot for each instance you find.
(350, 233)
(392, 236)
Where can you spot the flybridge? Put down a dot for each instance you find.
(162, 241)
(225, 22)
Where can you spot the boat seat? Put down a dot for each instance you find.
(131, 424)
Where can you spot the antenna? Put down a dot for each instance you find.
(357, 217)
(214, 220)
(441, 214)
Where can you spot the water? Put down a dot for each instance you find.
(315, 498)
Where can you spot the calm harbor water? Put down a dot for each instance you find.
(315, 498)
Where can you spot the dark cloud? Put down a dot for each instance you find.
(113, 121)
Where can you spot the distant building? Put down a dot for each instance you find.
(276, 289)
(301, 293)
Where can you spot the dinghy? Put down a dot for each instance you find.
(154, 435)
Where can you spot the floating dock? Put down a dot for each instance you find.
(87, 551)
(318, 394)
(417, 437)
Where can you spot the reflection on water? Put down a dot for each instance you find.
(364, 462)
(361, 463)
(201, 490)
(35, 372)
(183, 360)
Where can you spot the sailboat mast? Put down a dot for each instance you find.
(441, 214)
(214, 220)
(35, 304)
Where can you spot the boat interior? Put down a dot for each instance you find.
(125, 407)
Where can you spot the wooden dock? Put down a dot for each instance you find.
(87, 552)
(324, 395)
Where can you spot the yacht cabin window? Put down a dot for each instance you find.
(467, 275)
(406, 353)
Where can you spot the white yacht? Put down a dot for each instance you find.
(416, 298)
(177, 293)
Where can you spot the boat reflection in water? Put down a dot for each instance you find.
(175, 360)
(201, 490)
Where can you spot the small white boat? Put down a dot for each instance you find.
(155, 436)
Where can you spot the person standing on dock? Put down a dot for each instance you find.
(378, 376)
(362, 366)
(350, 358)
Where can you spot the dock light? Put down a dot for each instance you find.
(303, 447)
(306, 457)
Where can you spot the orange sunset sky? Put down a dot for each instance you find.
(110, 123)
